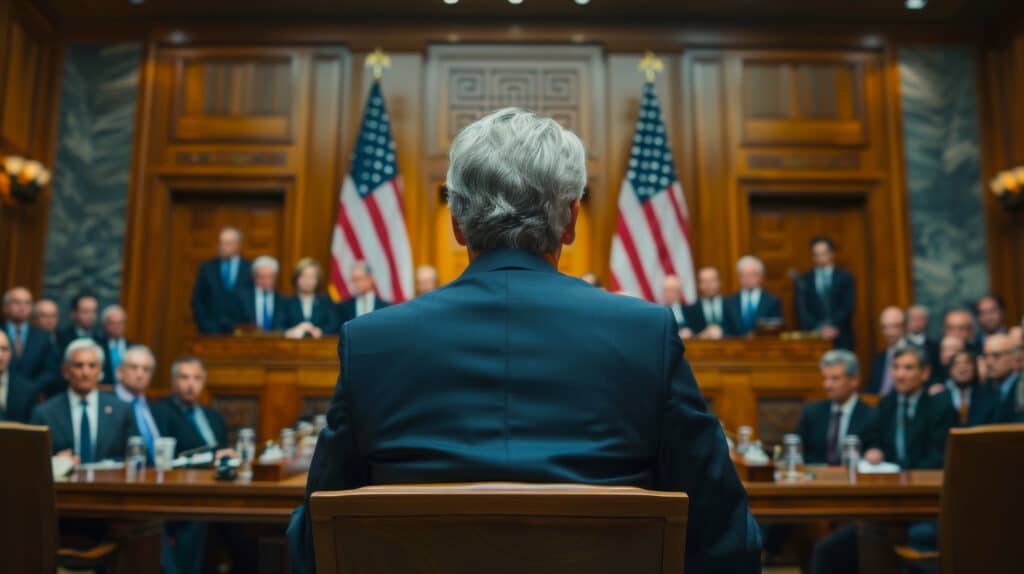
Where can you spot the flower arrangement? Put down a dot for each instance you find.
(21, 180)
(1008, 186)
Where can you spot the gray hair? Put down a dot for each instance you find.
(176, 365)
(512, 178)
(907, 348)
(84, 344)
(751, 260)
(141, 350)
(841, 357)
(232, 229)
(265, 261)
(111, 309)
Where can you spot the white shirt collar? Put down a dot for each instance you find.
(125, 395)
(93, 398)
(847, 407)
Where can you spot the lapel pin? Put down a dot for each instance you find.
(109, 409)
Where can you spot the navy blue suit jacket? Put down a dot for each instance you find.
(813, 427)
(984, 408)
(243, 311)
(39, 361)
(21, 397)
(214, 306)
(512, 389)
(324, 317)
(769, 307)
(926, 435)
(116, 424)
(173, 420)
(811, 309)
(347, 308)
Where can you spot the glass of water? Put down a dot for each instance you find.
(135, 459)
(288, 442)
(163, 454)
(246, 447)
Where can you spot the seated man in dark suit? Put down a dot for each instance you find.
(46, 318)
(513, 388)
(892, 323)
(916, 329)
(260, 304)
(672, 297)
(17, 394)
(133, 377)
(825, 296)
(84, 311)
(84, 422)
(1001, 361)
(364, 297)
(752, 305)
(33, 356)
(974, 402)
(308, 313)
(959, 322)
(112, 340)
(824, 424)
(704, 318)
(213, 293)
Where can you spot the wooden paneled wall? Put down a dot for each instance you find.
(29, 64)
(758, 131)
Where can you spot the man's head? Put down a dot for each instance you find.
(83, 365)
(229, 242)
(591, 278)
(750, 270)
(362, 278)
(709, 284)
(948, 347)
(1000, 356)
(910, 368)
(307, 276)
(823, 251)
(264, 272)
(17, 304)
(188, 377)
(671, 290)
(963, 368)
(5, 351)
(136, 369)
(892, 323)
(84, 310)
(991, 315)
(515, 181)
(917, 319)
(840, 375)
(426, 279)
(114, 319)
(46, 315)
(959, 323)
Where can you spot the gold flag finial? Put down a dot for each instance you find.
(651, 65)
(378, 60)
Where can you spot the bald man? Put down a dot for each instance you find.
(46, 317)
(892, 322)
(1001, 360)
(426, 279)
(33, 356)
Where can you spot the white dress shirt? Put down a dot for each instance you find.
(307, 307)
(846, 413)
(203, 426)
(823, 278)
(4, 389)
(747, 297)
(147, 415)
(364, 304)
(712, 310)
(677, 311)
(92, 411)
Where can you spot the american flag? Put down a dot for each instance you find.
(371, 225)
(652, 238)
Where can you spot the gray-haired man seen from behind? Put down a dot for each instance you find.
(511, 389)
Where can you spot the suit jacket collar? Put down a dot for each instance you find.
(508, 259)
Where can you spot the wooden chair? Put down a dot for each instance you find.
(981, 507)
(28, 522)
(499, 528)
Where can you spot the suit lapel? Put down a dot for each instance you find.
(64, 422)
(103, 422)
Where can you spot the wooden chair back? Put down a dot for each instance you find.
(28, 503)
(499, 528)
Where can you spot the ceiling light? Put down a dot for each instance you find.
(916, 4)
(136, 2)
(515, 1)
(450, 2)
(583, 2)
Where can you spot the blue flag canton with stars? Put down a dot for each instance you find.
(373, 161)
(650, 161)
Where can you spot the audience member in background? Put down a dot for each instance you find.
(259, 303)
(1001, 360)
(975, 403)
(947, 349)
(217, 283)
(672, 297)
(17, 393)
(308, 313)
(752, 305)
(1013, 407)
(892, 325)
(918, 318)
(426, 279)
(825, 296)
(84, 422)
(33, 356)
(46, 318)
(959, 322)
(991, 315)
(592, 278)
(824, 424)
(112, 340)
(193, 426)
(706, 317)
(84, 312)
(364, 297)
(134, 374)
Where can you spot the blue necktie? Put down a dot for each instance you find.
(115, 356)
(85, 436)
(266, 311)
(144, 430)
(225, 274)
(749, 313)
(901, 432)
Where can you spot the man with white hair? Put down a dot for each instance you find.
(364, 295)
(218, 283)
(513, 389)
(426, 279)
(134, 375)
(260, 304)
(112, 339)
(752, 305)
(84, 422)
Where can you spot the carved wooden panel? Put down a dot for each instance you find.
(235, 97)
(777, 417)
(467, 82)
(240, 411)
(313, 406)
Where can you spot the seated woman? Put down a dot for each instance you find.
(308, 314)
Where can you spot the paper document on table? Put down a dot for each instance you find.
(61, 466)
(866, 467)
